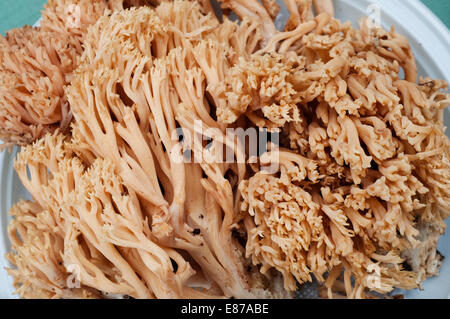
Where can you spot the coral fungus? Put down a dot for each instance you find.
(357, 201)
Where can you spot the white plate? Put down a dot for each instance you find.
(430, 40)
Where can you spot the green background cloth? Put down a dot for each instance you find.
(16, 13)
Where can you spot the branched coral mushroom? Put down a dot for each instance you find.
(126, 105)
(371, 140)
(36, 64)
(360, 191)
(93, 222)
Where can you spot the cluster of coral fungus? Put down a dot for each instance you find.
(362, 187)
(36, 64)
